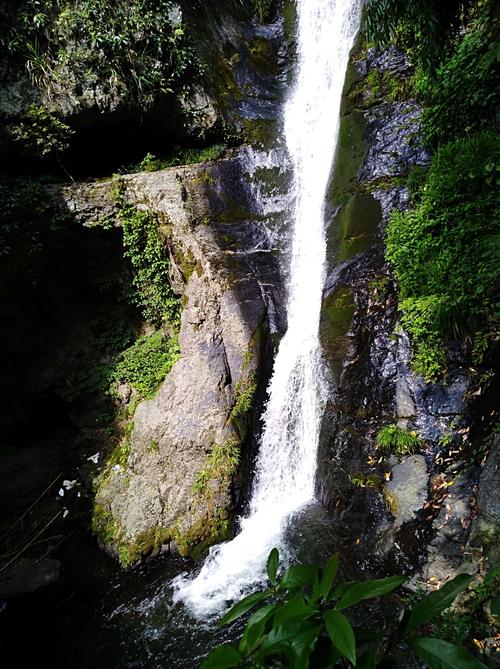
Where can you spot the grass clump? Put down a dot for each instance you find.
(392, 439)
(220, 466)
(244, 392)
(179, 156)
(445, 253)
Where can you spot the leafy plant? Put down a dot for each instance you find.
(300, 622)
(463, 95)
(393, 439)
(146, 363)
(43, 133)
(179, 156)
(144, 247)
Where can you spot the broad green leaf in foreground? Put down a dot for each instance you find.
(341, 634)
(272, 565)
(298, 576)
(295, 609)
(302, 645)
(439, 654)
(255, 628)
(223, 657)
(436, 602)
(368, 589)
(243, 606)
(328, 576)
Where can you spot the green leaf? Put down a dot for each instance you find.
(368, 589)
(243, 606)
(223, 657)
(492, 574)
(341, 634)
(342, 588)
(439, 654)
(436, 602)
(495, 606)
(328, 576)
(298, 576)
(272, 565)
(368, 658)
(295, 609)
(302, 646)
(254, 629)
(279, 636)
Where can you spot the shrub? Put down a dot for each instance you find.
(146, 363)
(463, 96)
(393, 439)
(428, 28)
(43, 133)
(300, 621)
(144, 247)
(445, 252)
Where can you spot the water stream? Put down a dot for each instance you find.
(286, 464)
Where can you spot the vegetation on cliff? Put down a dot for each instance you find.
(445, 253)
(136, 50)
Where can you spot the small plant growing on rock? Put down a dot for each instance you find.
(392, 439)
(43, 133)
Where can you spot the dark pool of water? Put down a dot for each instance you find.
(99, 616)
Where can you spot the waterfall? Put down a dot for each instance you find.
(286, 464)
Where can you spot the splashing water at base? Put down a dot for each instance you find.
(286, 464)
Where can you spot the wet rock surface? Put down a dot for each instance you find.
(418, 511)
(222, 250)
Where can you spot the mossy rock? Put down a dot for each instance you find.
(336, 320)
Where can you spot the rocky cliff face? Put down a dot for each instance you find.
(415, 510)
(169, 473)
(177, 482)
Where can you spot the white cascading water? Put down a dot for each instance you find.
(286, 464)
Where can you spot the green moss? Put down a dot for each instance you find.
(188, 264)
(212, 528)
(103, 525)
(128, 552)
(336, 320)
(381, 86)
(154, 446)
(262, 57)
(337, 313)
(395, 440)
(260, 133)
(391, 500)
